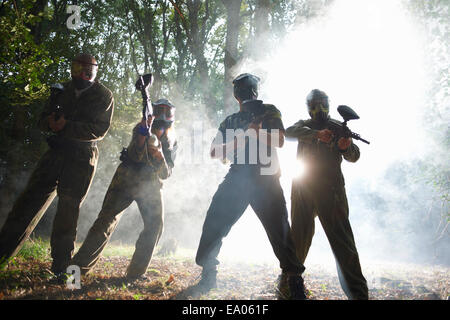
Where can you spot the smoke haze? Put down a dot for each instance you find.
(365, 54)
(368, 55)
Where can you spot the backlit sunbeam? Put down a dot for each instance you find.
(365, 54)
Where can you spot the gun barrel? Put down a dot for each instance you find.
(365, 141)
(341, 130)
(358, 137)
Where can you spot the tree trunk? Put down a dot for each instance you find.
(261, 43)
(231, 51)
(180, 45)
(197, 46)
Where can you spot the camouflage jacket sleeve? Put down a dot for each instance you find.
(135, 152)
(96, 128)
(301, 132)
(169, 150)
(162, 168)
(352, 153)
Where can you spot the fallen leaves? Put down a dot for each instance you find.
(169, 277)
(170, 280)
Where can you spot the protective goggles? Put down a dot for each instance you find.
(164, 112)
(161, 124)
(318, 105)
(84, 70)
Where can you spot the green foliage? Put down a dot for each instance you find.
(181, 43)
(22, 61)
(37, 249)
(113, 249)
(434, 18)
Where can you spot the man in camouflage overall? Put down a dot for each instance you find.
(79, 116)
(148, 159)
(246, 184)
(321, 192)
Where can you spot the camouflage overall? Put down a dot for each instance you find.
(66, 170)
(321, 192)
(137, 179)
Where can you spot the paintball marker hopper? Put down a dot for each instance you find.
(144, 82)
(347, 114)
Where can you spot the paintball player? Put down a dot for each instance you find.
(78, 114)
(148, 159)
(245, 184)
(320, 192)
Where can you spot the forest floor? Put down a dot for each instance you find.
(169, 277)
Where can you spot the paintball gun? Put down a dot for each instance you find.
(55, 141)
(55, 90)
(142, 84)
(340, 130)
(254, 110)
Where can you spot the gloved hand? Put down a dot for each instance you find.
(344, 143)
(153, 141)
(56, 125)
(325, 135)
(156, 153)
(255, 125)
(143, 130)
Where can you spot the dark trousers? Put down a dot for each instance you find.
(241, 187)
(329, 203)
(59, 174)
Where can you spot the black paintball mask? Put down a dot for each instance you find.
(245, 87)
(83, 71)
(164, 113)
(318, 107)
